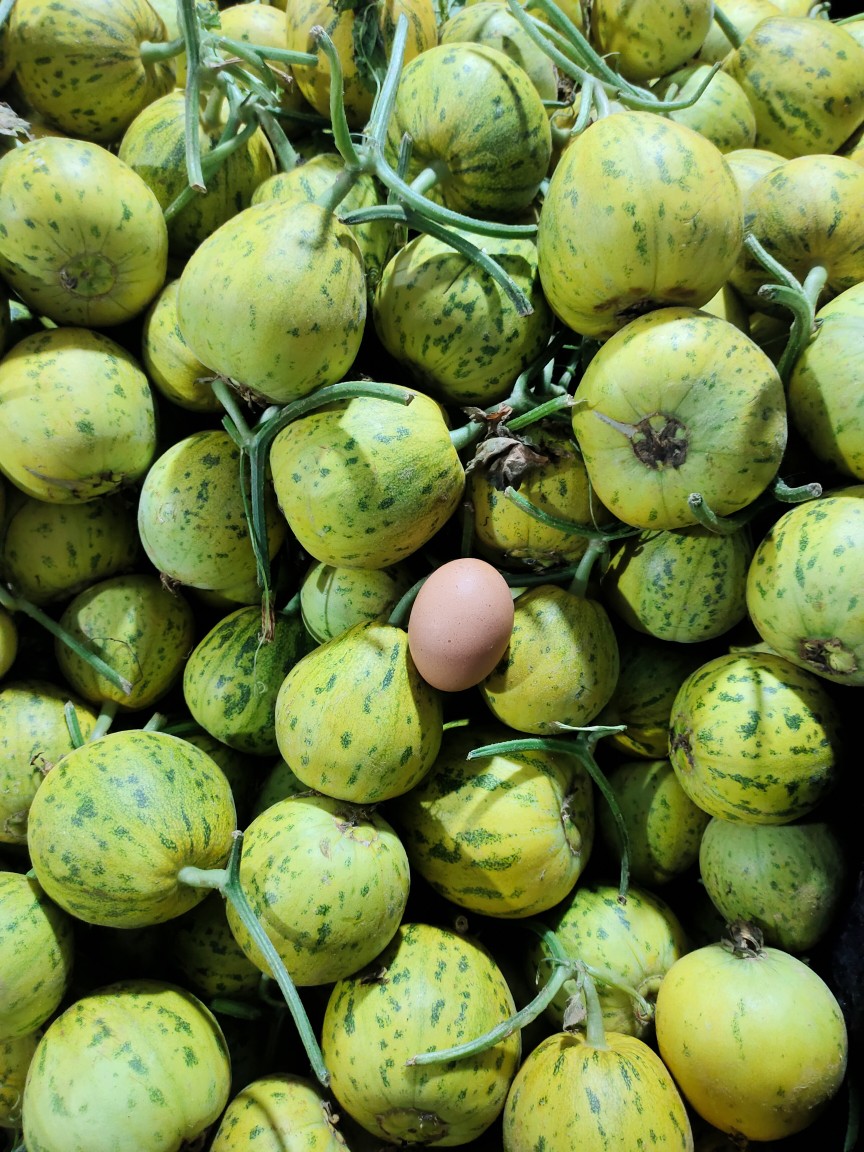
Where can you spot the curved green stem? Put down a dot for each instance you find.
(17, 604)
(672, 105)
(156, 723)
(593, 63)
(431, 175)
(401, 609)
(595, 1033)
(332, 197)
(382, 107)
(427, 209)
(580, 747)
(238, 1009)
(286, 154)
(760, 253)
(421, 223)
(795, 495)
(801, 301)
(153, 51)
(597, 547)
(727, 27)
(227, 881)
(560, 59)
(209, 164)
(520, 400)
(256, 54)
(6, 7)
(562, 972)
(727, 525)
(572, 527)
(338, 118)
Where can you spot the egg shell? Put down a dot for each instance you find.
(460, 624)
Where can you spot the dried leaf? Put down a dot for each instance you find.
(11, 124)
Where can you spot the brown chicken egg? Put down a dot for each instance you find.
(460, 624)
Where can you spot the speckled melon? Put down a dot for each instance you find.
(36, 955)
(281, 1113)
(328, 882)
(232, 677)
(553, 630)
(191, 514)
(77, 416)
(753, 737)
(82, 238)
(34, 735)
(815, 550)
(114, 822)
(138, 627)
(138, 1063)
(430, 988)
(354, 718)
(505, 836)
(786, 879)
(15, 1057)
(664, 826)
(364, 483)
(87, 67)
(632, 942)
(245, 306)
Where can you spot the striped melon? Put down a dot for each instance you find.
(114, 822)
(365, 482)
(507, 835)
(36, 955)
(232, 677)
(685, 585)
(430, 988)
(77, 415)
(488, 164)
(804, 586)
(629, 945)
(753, 737)
(575, 1092)
(280, 1113)
(354, 718)
(153, 146)
(136, 1064)
(327, 880)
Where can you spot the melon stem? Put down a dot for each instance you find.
(105, 719)
(561, 972)
(227, 881)
(727, 525)
(155, 51)
(15, 604)
(726, 26)
(572, 527)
